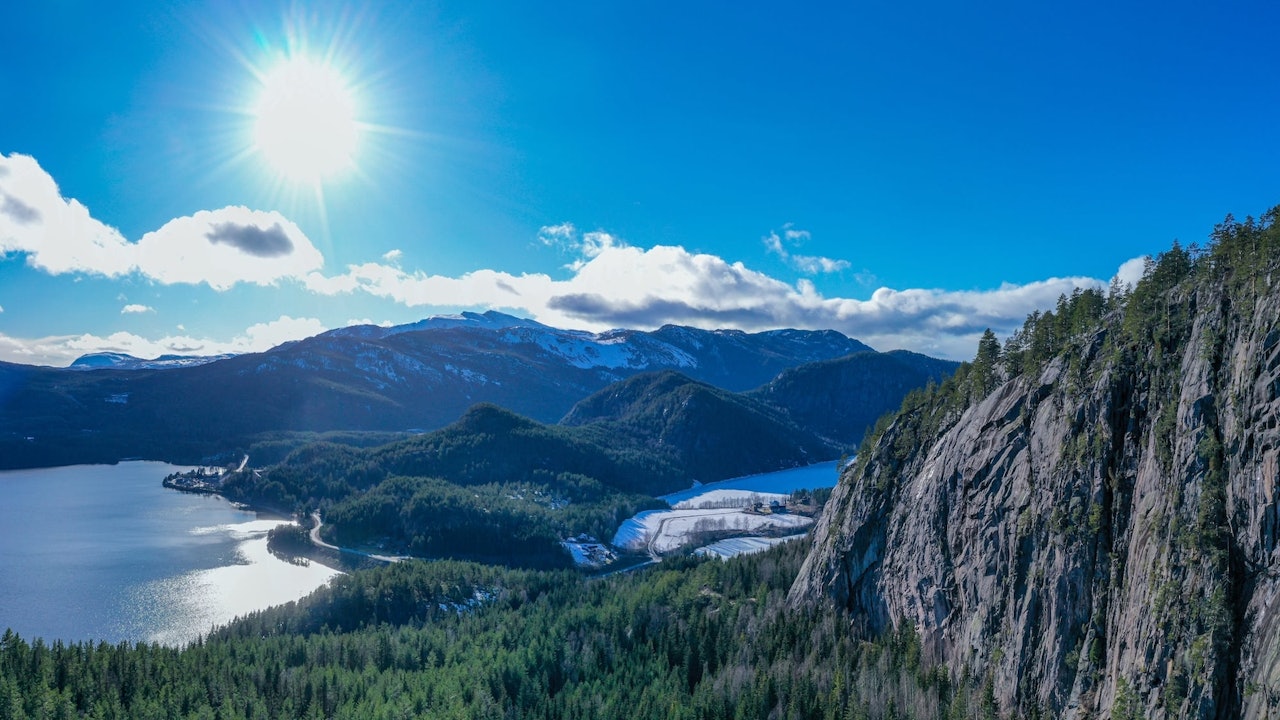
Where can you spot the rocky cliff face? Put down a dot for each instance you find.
(1099, 535)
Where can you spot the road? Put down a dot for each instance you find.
(627, 569)
(318, 542)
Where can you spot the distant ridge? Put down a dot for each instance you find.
(711, 433)
(122, 361)
(490, 319)
(819, 396)
(419, 376)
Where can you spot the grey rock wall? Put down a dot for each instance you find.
(1099, 538)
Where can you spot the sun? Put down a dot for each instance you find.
(305, 121)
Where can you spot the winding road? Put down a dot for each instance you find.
(318, 542)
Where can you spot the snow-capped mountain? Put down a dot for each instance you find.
(419, 376)
(123, 361)
(731, 355)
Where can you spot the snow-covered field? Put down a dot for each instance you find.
(719, 507)
(733, 547)
(662, 531)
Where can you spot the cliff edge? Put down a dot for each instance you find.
(1088, 516)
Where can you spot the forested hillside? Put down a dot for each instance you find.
(840, 399)
(709, 434)
(498, 487)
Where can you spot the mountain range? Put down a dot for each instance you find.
(124, 361)
(414, 378)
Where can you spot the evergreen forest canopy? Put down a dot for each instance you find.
(687, 639)
(488, 488)
(690, 639)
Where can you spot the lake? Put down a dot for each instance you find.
(805, 477)
(103, 552)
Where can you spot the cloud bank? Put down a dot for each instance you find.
(217, 247)
(608, 282)
(62, 350)
(613, 284)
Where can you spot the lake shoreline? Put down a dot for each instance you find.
(105, 552)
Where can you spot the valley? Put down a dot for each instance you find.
(495, 486)
(498, 486)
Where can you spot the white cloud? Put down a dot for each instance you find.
(217, 247)
(610, 283)
(557, 235)
(366, 321)
(626, 286)
(227, 246)
(62, 350)
(264, 336)
(793, 235)
(866, 278)
(588, 245)
(1131, 271)
(136, 308)
(595, 243)
(813, 265)
(57, 235)
(773, 243)
(807, 264)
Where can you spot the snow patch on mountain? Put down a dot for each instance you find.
(123, 361)
(586, 351)
(490, 320)
(470, 376)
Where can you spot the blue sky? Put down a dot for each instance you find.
(906, 173)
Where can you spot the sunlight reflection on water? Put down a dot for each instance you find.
(183, 608)
(103, 552)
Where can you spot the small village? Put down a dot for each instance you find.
(204, 480)
(201, 480)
